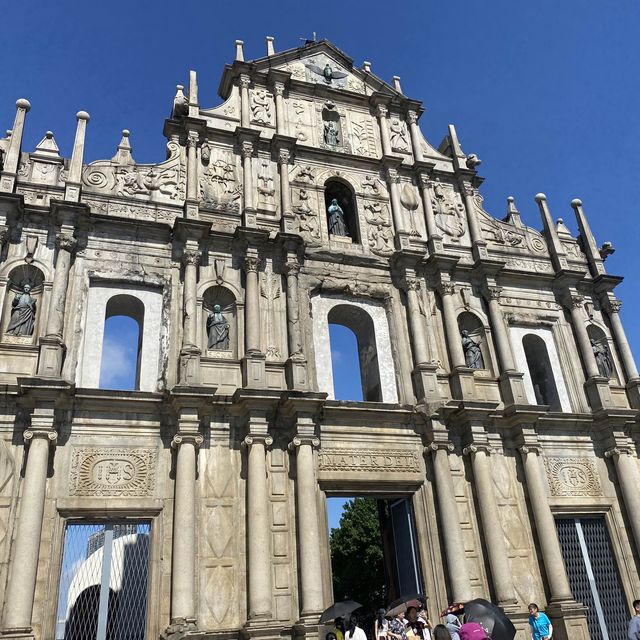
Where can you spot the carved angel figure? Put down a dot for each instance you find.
(260, 107)
(328, 74)
(398, 135)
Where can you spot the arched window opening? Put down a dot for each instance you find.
(474, 342)
(542, 378)
(365, 366)
(340, 205)
(602, 353)
(122, 343)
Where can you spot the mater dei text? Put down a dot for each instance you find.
(500, 397)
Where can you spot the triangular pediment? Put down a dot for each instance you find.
(322, 63)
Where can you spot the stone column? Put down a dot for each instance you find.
(252, 304)
(192, 165)
(430, 219)
(447, 289)
(278, 92)
(491, 527)
(396, 205)
(286, 216)
(584, 343)
(24, 561)
(247, 176)
(450, 534)
(12, 158)
(416, 324)
(414, 132)
(183, 560)
(474, 228)
(503, 346)
(51, 346)
(245, 108)
(190, 258)
(258, 555)
(545, 525)
(382, 113)
(613, 306)
(296, 370)
(310, 560)
(626, 463)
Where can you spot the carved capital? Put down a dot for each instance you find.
(253, 438)
(192, 139)
(299, 441)
(425, 181)
(252, 264)
(284, 155)
(48, 434)
(191, 257)
(526, 449)
(467, 188)
(493, 293)
(278, 88)
(186, 438)
(619, 450)
(475, 447)
(246, 150)
(412, 117)
(292, 268)
(446, 288)
(244, 81)
(411, 284)
(65, 241)
(382, 111)
(575, 301)
(613, 305)
(392, 175)
(434, 446)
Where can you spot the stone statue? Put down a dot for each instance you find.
(337, 224)
(472, 353)
(217, 330)
(330, 133)
(23, 314)
(603, 358)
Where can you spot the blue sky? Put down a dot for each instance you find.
(544, 92)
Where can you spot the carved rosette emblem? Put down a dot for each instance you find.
(389, 460)
(572, 477)
(112, 471)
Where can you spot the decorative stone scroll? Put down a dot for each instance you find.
(572, 477)
(388, 460)
(112, 471)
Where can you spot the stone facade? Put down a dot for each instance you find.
(230, 452)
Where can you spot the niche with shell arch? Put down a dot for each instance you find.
(603, 352)
(219, 328)
(477, 332)
(22, 308)
(343, 193)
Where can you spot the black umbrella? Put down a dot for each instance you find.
(339, 610)
(491, 617)
(404, 602)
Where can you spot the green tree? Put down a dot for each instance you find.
(356, 555)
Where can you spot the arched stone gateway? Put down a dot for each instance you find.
(497, 426)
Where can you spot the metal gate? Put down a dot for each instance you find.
(593, 575)
(103, 582)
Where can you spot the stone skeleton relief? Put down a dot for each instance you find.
(219, 184)
(379, 234)
(572, 477)
(270, 290)
(448, 212)
(219, 543)
(514, 523)
(112, 471)
(261, 102)
(164, 182)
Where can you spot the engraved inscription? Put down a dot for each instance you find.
(572, 477)
(112, 471)
(391, 461)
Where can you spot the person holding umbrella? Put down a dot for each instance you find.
(354, 632)
(541, 627)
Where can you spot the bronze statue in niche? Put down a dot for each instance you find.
(23, 313)
(217, 330)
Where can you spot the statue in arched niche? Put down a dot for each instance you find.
(603, 358)
(218, 329)
(472, 352)
(23, 312)
(337, 222)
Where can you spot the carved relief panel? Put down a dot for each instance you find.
(398, 134)
(273, 310)
(448, 211)
(262, 107)
(363, 131)
(300, 120)
(220, 185)
(572, 477)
